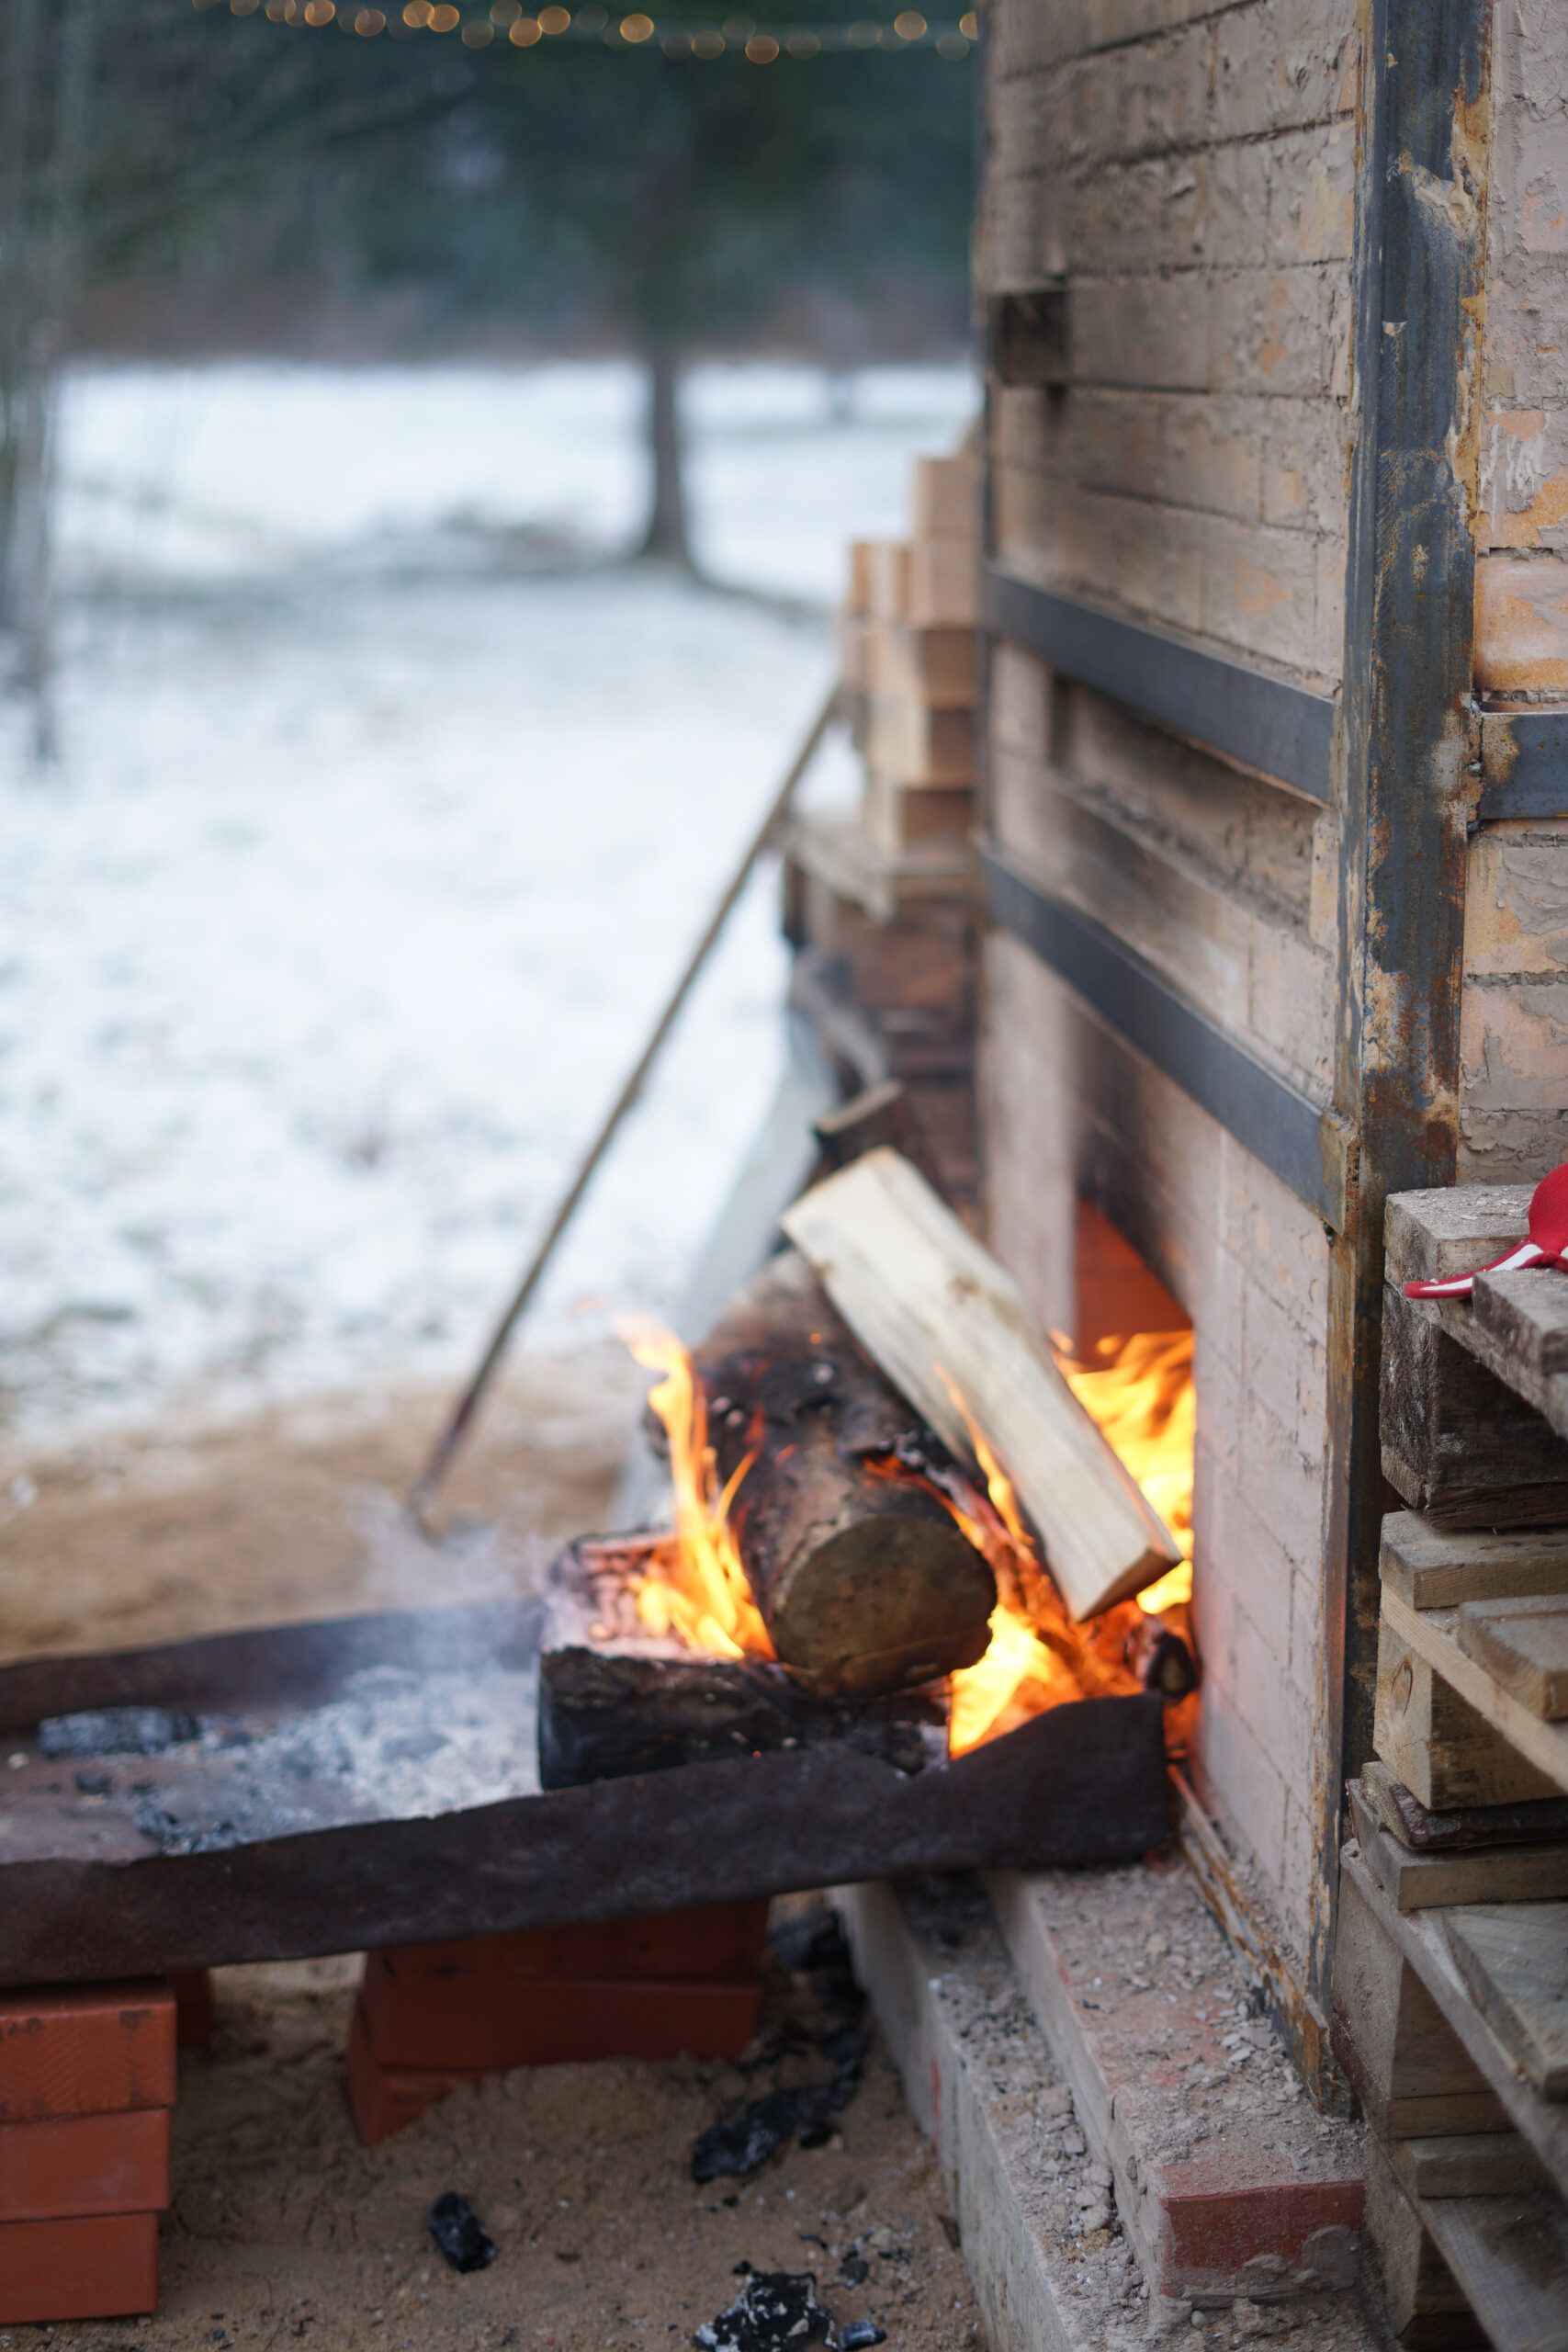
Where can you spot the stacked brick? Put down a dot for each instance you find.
(431, 2017)
(1451, 1960)
(881, 906)
(87, 2090)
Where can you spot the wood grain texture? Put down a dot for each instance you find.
(1467, 2164)
(1439, 1567)
(1459, 1445)
(1509, 2255)
(1514, 1957)
(1525, 1644)
(1460, 1827)
(1430, 1635)
(931, 1306)
(863, 1578)
(1420, 1937)
(1426, 1882)
(1417, 2285)
(1413, 2074)
(1433, 1740)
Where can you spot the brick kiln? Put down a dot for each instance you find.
(1261, 920)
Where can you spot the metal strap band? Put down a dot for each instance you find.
(1525, 756)
(1299, 1143)
(1281, 730)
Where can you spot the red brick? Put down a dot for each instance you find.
(483, 2026)
(192, 1989)
(78, 2165)
(719, 1941)
(105, 2269)
(385, 2100)
(1210, 2227)
(85, 2049)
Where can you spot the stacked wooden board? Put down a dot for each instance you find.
(880, 905)
(1451, 1958)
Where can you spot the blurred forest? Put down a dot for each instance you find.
(209, 175)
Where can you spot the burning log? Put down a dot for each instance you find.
(863, 1575)
(948, 1326)
(603, 1714)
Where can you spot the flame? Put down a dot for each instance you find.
(694, 1586)
(1141, 1397)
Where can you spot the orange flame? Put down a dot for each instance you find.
(1141, 1398)
(695, 1587)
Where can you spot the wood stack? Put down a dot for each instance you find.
(1451, 1960)
(880, 905)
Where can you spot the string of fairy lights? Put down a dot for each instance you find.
(509, 21)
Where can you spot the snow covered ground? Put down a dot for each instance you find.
(388, 808)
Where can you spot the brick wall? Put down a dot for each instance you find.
(1190, 170)
(1514, 1035)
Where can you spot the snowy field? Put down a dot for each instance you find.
(387, 806)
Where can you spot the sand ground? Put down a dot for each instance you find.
(284, 2229)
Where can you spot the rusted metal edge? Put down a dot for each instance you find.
(1407, 787)
(1280, 729)
(1084, 1782)
(1293, 1136)
(1299, 2018)
(1523, 761)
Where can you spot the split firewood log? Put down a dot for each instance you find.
(863, 1576)
(948, 1325)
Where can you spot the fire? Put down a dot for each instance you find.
(694, 1586)
(1141, 1396)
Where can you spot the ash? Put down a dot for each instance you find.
(400, 1744)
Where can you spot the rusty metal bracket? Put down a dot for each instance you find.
(1268, 724)
(1523, 761)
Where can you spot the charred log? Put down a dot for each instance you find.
(864, 1579)
(603, 1715)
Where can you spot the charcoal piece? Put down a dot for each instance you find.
(116, 1731)
(604, 1716)
(776, 2311)
(811, 1939)
(460, 2233)
(845, 2047)
(93, 1784)
(859, 2332)
(742, 2143)
(171, 1836)
(854, 2271)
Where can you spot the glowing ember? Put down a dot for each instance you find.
(695, 1587)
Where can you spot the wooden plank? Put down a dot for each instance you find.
(1429, 1633)
(900, 816)
(930, 665)
(1466, 2163)
(1439, 1567)
(1458, 1442)
(936, 1312)
(919, 744)
(1527, 1313)
(1434, 1741)
(1517, 1326)
(1424, 2302)
(1421, 1938)
(1514, 1957)
(1457, 1828)
(1509, 2255)
(1525, 1644)
(1427, 1881)
(1414, 2075)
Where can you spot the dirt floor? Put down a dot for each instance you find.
(284, 2229)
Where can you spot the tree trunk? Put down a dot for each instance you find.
(863, 1578)
(665, 538)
